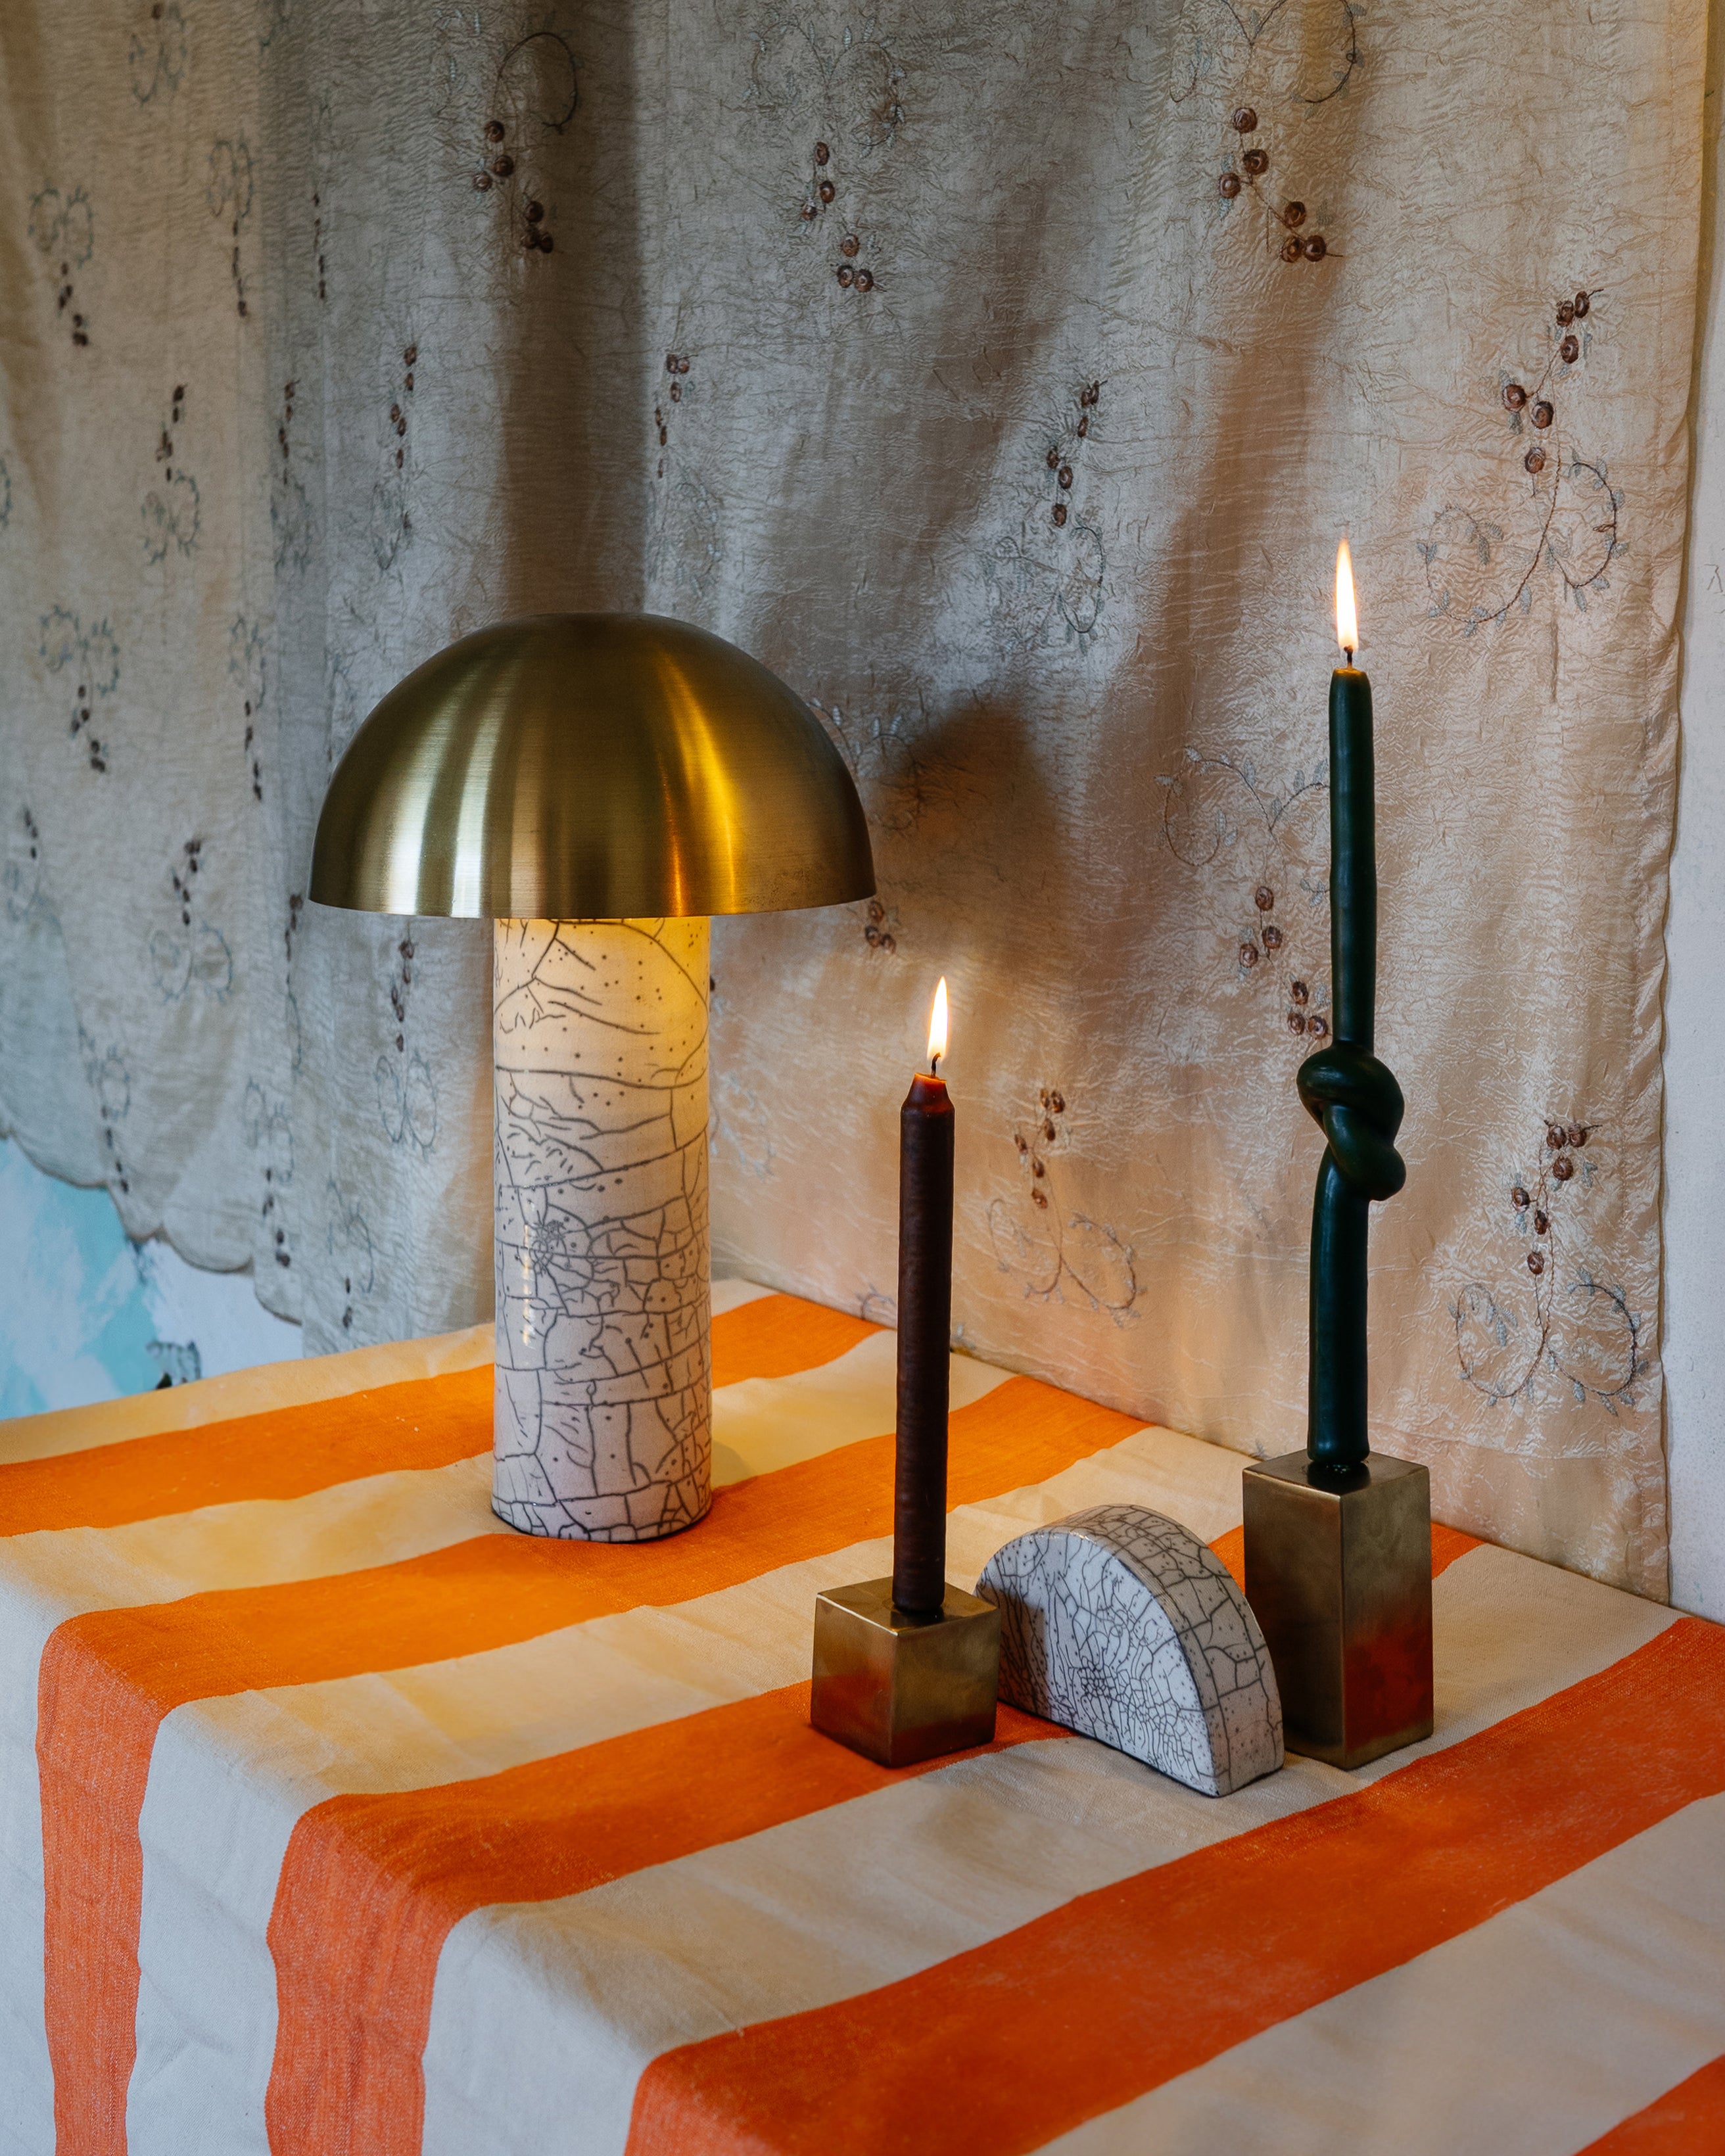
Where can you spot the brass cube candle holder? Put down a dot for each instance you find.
(898, 1685)
(1338, 1574)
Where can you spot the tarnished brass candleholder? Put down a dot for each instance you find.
(1339, 1579)
(898, 1685)
(1338, 1537)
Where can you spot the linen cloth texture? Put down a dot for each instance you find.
(341, 1818)
(978, 372)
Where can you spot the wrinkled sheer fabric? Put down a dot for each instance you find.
(1003, 376)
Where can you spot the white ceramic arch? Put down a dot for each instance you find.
(1120, 1624)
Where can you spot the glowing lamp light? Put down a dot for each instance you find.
(1346, 620)
(938, 1028)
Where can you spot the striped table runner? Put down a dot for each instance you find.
(339, 1821)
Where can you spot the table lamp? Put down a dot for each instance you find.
(597, 785)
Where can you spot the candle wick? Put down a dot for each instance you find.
(934, 1067)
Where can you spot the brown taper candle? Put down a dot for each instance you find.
(925, 1315)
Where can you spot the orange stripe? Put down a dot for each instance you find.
(1003, 2048)
(1447, 1544)
(1231, 1547)
(778, 1335)
(1687, 2120)
(424, 1422)
(108, 1678)
(373, 1886)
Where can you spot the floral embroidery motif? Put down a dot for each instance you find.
(347, 1237)
(1047, 579)
(688, 535)
(92, 657)
(850, 275)
(323, 159)
(875, 933)
(22, 877)
(686, 538)
(170, 510)
(156, 60)
(290, 511)
(407, 1103)
(228, 193)
(110, 1080)
(392, 526)
(1476, 570)
(855, 89)
(1247, 62)
(406, 1092)
(853, 93)
(1273, 912)
(192, 954)
(64, 225)
(535, 89)
(295, 1039)
(1054, 1250)
(1298, 242)
(268, 1131)
(246, 666)
(1581, 1334)
(883, 756)
(1065, 448)
(676, 365)
(875, 1306)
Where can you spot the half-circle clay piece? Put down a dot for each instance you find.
(1120, 1624)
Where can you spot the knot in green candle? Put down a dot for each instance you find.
(1357, 1101)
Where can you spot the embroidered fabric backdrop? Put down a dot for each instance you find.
(1002, 375)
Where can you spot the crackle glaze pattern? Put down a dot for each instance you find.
(604, 1386)
(1117, 1622)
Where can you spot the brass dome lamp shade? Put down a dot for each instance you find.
(597, 785)
(590, 767)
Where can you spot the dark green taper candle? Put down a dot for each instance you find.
(1352, 1095)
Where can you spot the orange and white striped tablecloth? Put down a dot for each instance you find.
(339, 1821)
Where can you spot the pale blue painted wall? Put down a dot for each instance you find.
(86, 1314)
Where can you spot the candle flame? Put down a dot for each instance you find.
(1346, 620)
(937, 1026)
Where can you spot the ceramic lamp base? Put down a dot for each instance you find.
(604, 1418)
(897, 1688)
(1340, 1582)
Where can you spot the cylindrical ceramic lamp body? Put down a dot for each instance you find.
(1336, 1431)
(603, 1428)
(925, 1324)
